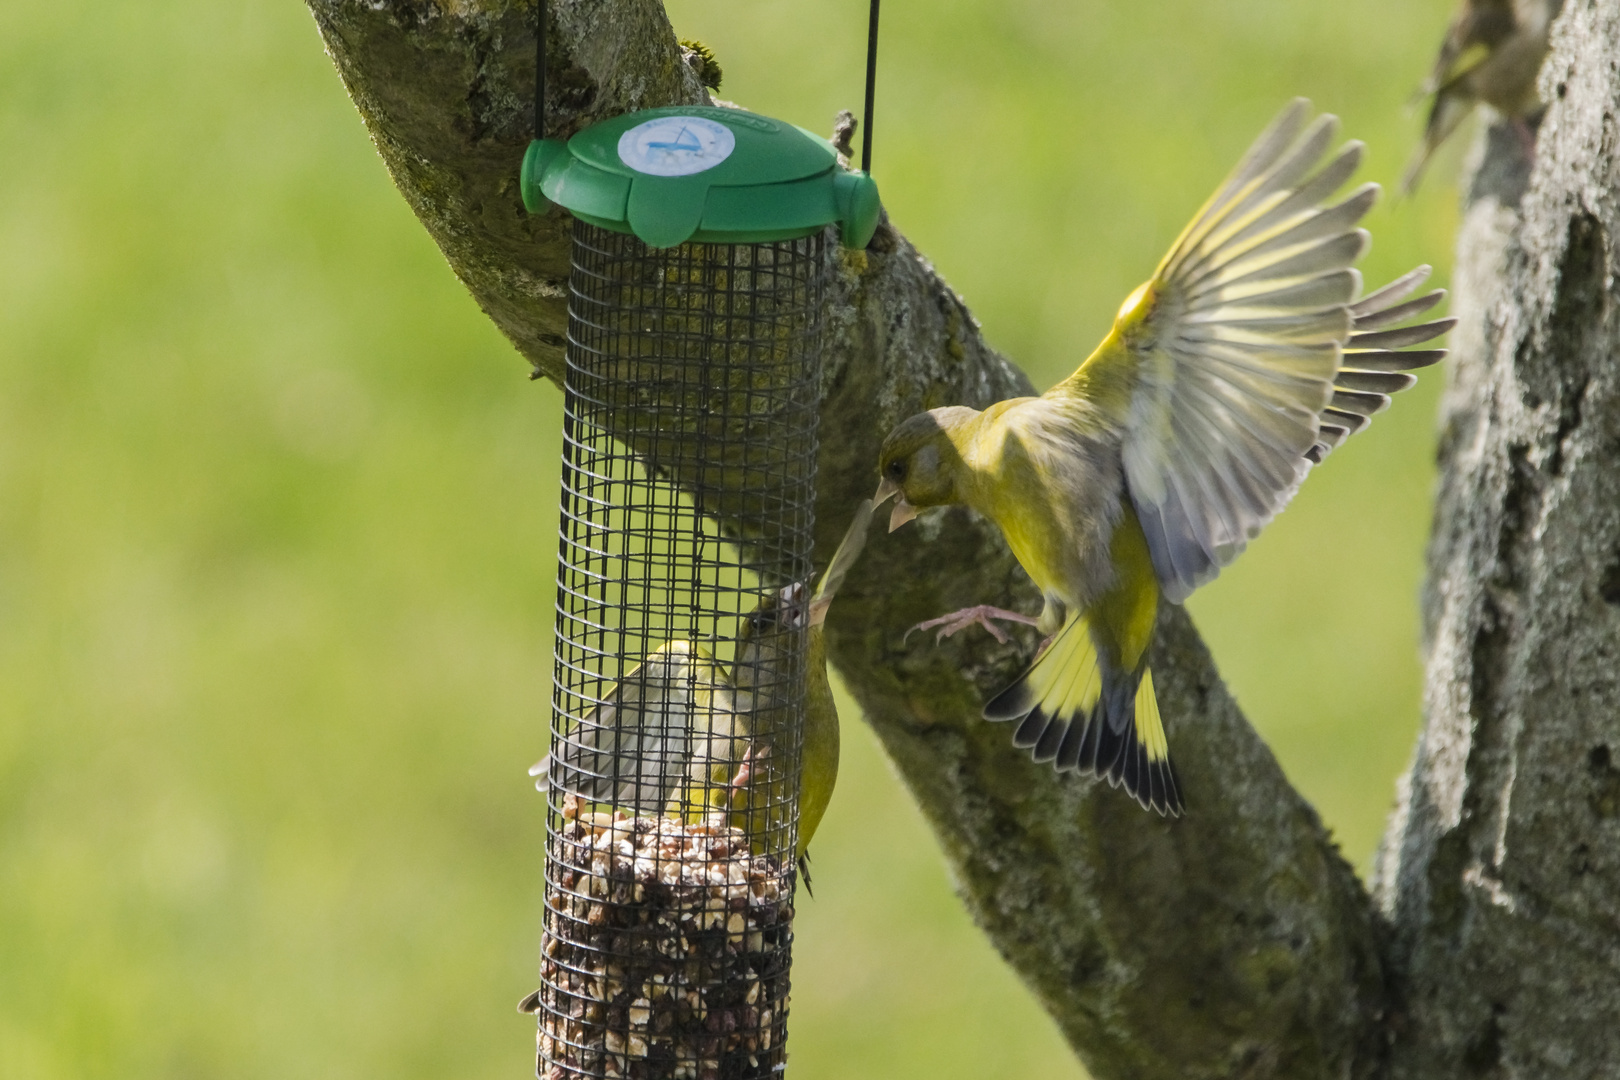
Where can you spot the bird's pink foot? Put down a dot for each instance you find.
(745, 771)
(983, 615)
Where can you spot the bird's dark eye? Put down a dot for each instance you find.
(897, 470)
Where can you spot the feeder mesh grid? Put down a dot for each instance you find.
(682, 608)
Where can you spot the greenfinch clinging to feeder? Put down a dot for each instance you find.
(635, 749)
(819, 772)
(1492, 52)
(1246, 358)
(674, 735)
(818, 762)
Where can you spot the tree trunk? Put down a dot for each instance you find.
(1235, 941)
(1501, 868)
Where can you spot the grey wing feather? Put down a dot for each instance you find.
(1250, 314)
(1373, 367)
(1259, 355)
(634, 748)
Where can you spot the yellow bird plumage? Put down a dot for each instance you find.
(1492, 52)
(1246, 358)
(674, 735)
(819, 771)
(818, 762)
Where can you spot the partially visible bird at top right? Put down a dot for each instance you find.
(1492, 53)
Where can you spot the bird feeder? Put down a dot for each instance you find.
(698, 284)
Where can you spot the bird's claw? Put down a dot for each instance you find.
(982, 615)
(745, 770)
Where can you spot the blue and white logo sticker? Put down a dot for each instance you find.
(676, 146)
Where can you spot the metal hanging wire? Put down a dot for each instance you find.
(871, 88)
(871, 79)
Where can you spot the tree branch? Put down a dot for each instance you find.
(1233, 942)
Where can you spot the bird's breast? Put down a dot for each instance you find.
(1037, 542)
(1049, 487)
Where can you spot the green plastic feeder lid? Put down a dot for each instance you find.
(694, 172)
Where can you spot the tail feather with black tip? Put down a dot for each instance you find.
(1078, 712)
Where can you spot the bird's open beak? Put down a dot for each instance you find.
(903, 511)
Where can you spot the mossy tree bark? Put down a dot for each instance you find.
(1236, 941)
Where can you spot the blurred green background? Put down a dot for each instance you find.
(277, 510)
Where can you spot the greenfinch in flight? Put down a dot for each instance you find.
(1492, 52)
(1245, 359)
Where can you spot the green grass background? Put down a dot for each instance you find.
(277, 510)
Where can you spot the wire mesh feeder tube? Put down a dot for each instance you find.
(682, 614)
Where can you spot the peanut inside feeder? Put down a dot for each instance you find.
(673, 957)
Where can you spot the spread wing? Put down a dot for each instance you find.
(1237, 347)
(636, 746)
(1373, 365)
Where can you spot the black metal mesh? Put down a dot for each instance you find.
(682, 610)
